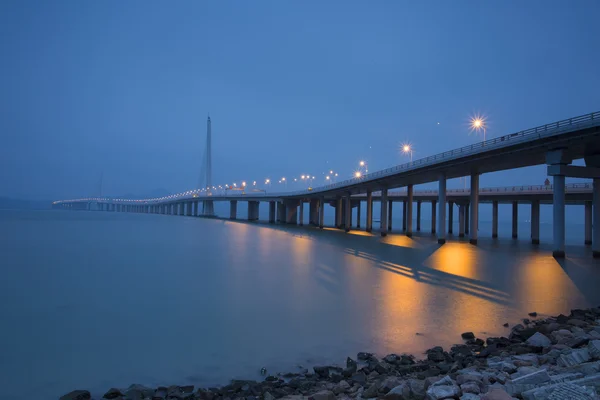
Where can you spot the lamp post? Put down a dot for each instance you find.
(478, 124)
(407, 149)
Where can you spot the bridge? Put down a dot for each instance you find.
(556, 144)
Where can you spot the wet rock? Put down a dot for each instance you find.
(539, 340)
(112, 393)
(77, 395)
(467, 335)
(322, 395)
(399, 392)
(574, 357)
(436, 354)
(496, 393)
(444, 388)
(532, 314)
(505, 324)
(594, 349)
(359, 378)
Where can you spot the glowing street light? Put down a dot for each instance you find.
(478, 124)
(357, 174)
(407, 149)
(244, 184)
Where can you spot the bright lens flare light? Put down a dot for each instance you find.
(477, 124)
(357, 174)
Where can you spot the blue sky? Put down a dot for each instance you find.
(124, 88)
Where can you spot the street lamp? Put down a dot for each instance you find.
(477, 124)
(357, 174)
(364, 165)
(407, 149)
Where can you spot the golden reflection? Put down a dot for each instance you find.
(456, 259)
(360, 233)
(542, 280)
(399, 240)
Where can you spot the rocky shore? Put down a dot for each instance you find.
(556, 358)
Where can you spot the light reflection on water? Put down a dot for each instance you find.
(170, 300)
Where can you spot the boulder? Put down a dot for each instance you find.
(539, 340)
(112, 393)
(467, 335)
(496, 393)
(400, 392)
(359, 378)
(77, 395)
(341, 387)
(322, 395)
(364, 356)
(268, 396)
(470, 387)
(572, 392)
(417, 389)
(391, 358)
(389, 383)
(470, 396)
(594, 349)
(577, 322)
(137, 391)
(574, 357)
(371, 392)
(444, 388)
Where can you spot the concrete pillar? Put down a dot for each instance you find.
(535, 222)
(189, 208)
(291, 208)
(409, 211)
(596, 219)
(558, 216)
(348, 212)
(321, 212)
(369, 211)
(515, 219)
(358, 215)
(450, 217)
(419, 216)
(433, 217)
(467, 215)
(588, 223)
(474, 208)
(195, 208)
(495, 219)
(311, 212)
(404, 211)
(301, 218)
(250, 211)
(232, 209)
(182, 208)
(338, 213)
(271, 212)
(391, 208)
(461, 220)
(255, 210)
(384, 210)
(441, 231)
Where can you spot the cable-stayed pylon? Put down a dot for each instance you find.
(207, 205)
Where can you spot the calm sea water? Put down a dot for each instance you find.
(93, 300)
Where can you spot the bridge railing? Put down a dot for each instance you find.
(547, 130)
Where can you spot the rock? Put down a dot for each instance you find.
(470, 387)
(533, 314)
(467, 335)
(341, 387)
(496, 393)
(322, 371)
(505, 324)
(436, 354)
(532, 359)
(322, 395)
(400, 392)
(391, 358)
(77, 395)
(470, 396)
(417, 388)
(389, 383)
(534, 378)
(572, 392)
(112, 393)
(577, 322)
(136, 392)
(364, 356)
(574, 357)
(539, 340)
(268, 396)
(471, 376)
(544, 392)
(503, 366)
(371, 391)
(594, 349)
(359, 378)
(444, 388)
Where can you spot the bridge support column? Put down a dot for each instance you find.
(383, 218)
(450, 217)
(253, 210)
(291, 208)
(461, 220)
(271, 212)
(369, 211)
(419, 216)
(535, 222)
(442, 209)
(467, 218)
(588, 223)
(596, 219)
(189, 208)
(558, 216)
(181, 208)
(232, 209)
(409, 211)
(338, 213)
(301, 217)
(404, 213)
(391, 208)
(358, 215)
(195, 209)
(433, 217)
(515, 219)
(321, 212)
(474, 208)
(348, 212)
(494, 219)
(311, 212)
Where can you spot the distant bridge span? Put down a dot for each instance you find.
(556, 144)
